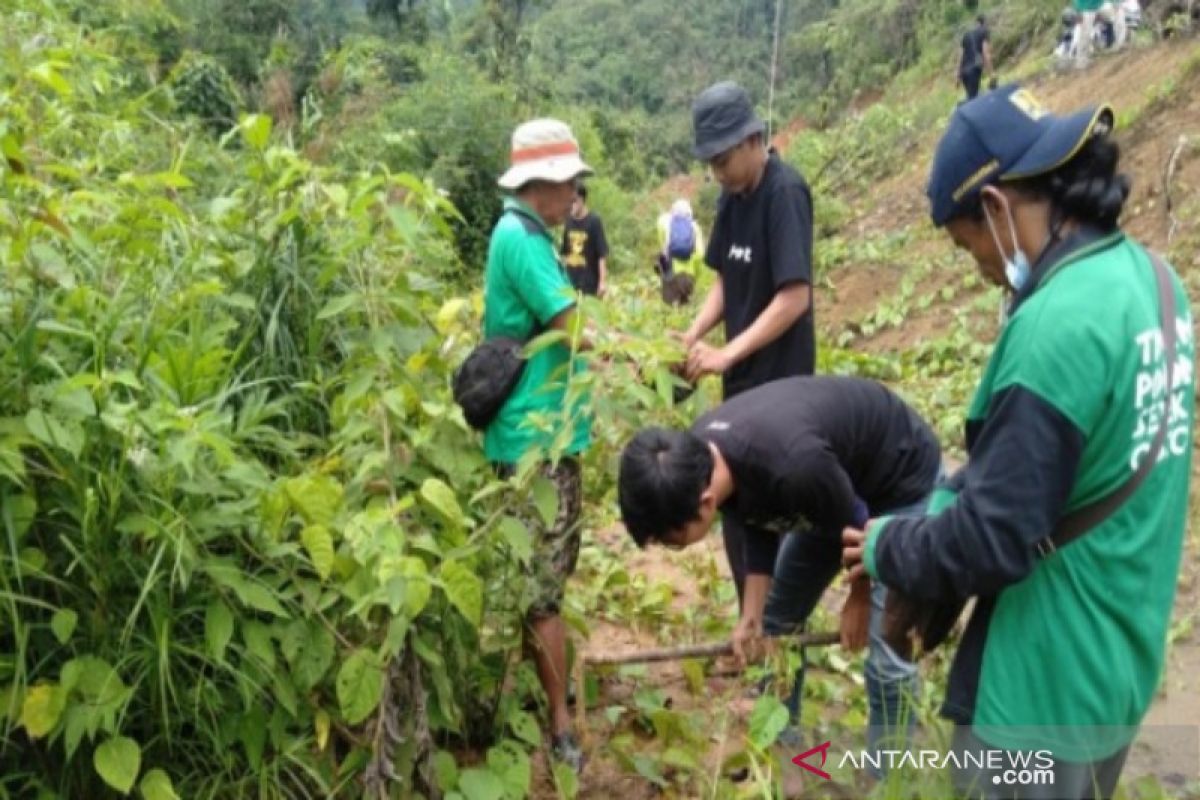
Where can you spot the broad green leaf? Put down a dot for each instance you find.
(218, 628)
(464, 590)
(260, 598)
(256, 129)
(32, 559)
(397, 631)
(441, 499)
(94, 679)
(545, 498)
(42, 709)
(525, 727)
(273, 511)
(318, 543)
(172, 180)
(511, 764)
(519, 540)
(50, 431)
(309, 650)
(76, 403)
(19, 512)
(316, 497)
(156, 785)
(417, 587)
(258, 643)
(46, 75)
(252, 732)
(480, 784)
(63, 624)
(359, 685)
(250, 592)
(340, 305)
(445, 770)
(767, 720)
(567, 782)
(118, 762)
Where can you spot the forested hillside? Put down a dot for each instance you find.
(249, 546)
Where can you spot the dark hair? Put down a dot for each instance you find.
(662, 475)
(981, 19)
(581, 190)
(1087, 188)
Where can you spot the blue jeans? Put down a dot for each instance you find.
(807, 563)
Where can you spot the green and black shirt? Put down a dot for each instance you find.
(1063, 652)
(525, 287)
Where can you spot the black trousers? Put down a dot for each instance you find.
(971, 80)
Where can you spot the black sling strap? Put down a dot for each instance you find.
(1075, 523)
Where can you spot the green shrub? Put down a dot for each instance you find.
(203, 89)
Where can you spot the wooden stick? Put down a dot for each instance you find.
(1170, 173)
(706, 650)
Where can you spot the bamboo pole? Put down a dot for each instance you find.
(704, 650)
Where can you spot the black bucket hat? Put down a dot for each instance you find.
(722, 117)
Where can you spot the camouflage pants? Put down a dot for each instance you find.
(555, 546)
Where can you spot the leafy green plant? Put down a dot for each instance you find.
(204, 89)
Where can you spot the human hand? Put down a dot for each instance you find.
(856, 616)
(746, 638)
(601, 288)
(854, 542)
(704, 359)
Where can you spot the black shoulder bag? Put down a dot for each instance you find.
(487, 377)
(490, 372)
(932, 622)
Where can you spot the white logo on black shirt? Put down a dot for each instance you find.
(738, 253)
(718, 425)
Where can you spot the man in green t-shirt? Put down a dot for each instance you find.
(1065, 646)
(527, 292)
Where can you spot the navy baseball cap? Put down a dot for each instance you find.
(1004, 135)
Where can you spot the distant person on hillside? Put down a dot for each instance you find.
(976, 57)
(681, 251)
(761, 249)
(1067, 34)
(1067, 523)
(1084, 32)
(1115, 30)
(584, 247)
(526, 291)
(806, 454)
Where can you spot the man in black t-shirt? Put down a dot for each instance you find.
(761, 249)
(801, 454)
(584, 247)
(976, 57)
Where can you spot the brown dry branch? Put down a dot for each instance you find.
(1172, 163)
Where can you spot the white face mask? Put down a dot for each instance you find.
(1016, 269)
